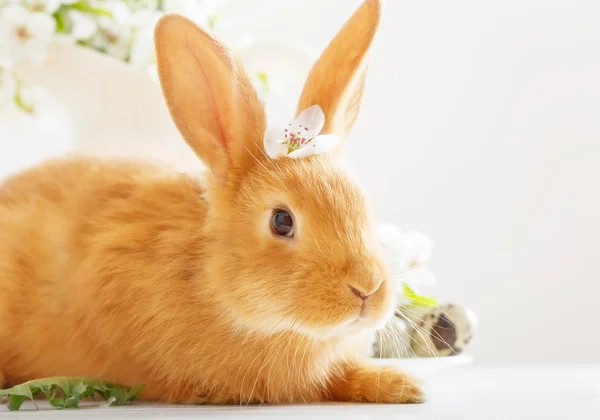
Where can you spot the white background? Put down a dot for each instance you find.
(481, 127)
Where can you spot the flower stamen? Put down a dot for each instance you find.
(293, 141)
(23, 33)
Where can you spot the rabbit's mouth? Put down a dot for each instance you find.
(347, 312)
(354, 327)
(366, 322)
(365, 319)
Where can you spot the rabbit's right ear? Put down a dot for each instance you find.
(337, 79)
(210, 98)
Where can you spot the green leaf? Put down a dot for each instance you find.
(264, 79)
(23, 390)
(134, 392)
(21, 105)
(72, 402)
(85, 7)
(119, 394)
(15, 402)
(79, 389)
(57, 402)
(418, 300)
(63, 23)
(46, 388)
(67, 392)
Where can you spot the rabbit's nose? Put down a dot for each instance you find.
(358, 293)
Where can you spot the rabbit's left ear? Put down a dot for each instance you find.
(337, 79)
(210, 97)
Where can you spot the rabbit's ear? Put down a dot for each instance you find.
(210, 98)
(336, 81)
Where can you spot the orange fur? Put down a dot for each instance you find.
(130, 273)
(337, 79)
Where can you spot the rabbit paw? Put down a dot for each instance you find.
(373, 384)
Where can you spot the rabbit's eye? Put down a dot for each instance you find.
(282, 223)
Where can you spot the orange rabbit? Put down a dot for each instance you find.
(253, 285)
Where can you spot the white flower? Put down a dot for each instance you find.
(114, 34)
(119, 9)
(27, 34)
(406, 255)
(43, 6)
(8, 86)
(83, 26)
(301, 137)
(114, 38)
(418, 247)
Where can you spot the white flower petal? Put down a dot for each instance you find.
(309, 123)
(113, 38)
(15, 14)
(46, 6)
(325, 143)
(84, 27)
(121, 13)
(320, 144)
(418, 247)
(41, 26)
(417, 279)
(272, 143)
(422, 276)
(52, 6)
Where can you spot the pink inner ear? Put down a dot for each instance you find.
(211, 98)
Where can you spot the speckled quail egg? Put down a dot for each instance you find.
(445, 330)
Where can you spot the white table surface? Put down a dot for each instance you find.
(478, 393)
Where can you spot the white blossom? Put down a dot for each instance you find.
(43, 6)
(26, 34)
(83, 26)
(301, 137)
(113, 38)
(407, 255)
